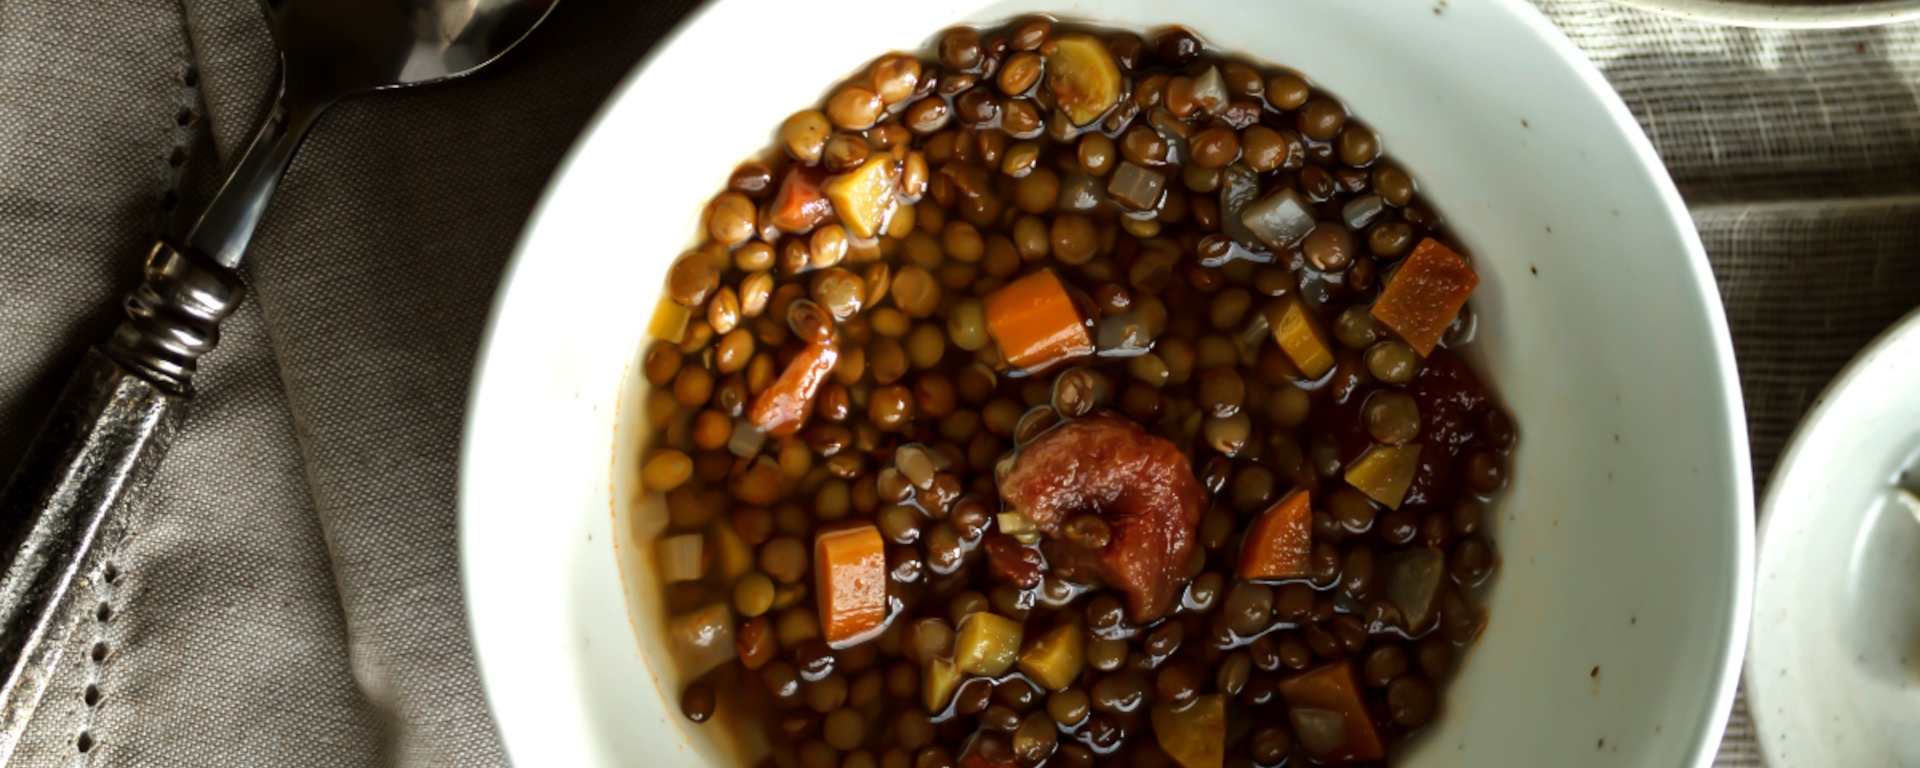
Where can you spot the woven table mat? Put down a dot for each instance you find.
(290, 593)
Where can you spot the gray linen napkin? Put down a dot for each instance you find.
(290, 595)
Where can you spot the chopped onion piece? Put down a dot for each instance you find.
(1210, 91)
(1281, 220)
(682, 558)
(1123, 335)
(1239, 188)
(1413, 584)
(705, 637)
(1136, 187)
(1173, 131)
(1361, 211)
(747, 439)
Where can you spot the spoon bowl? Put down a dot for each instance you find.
(347, 46)
(331, 49)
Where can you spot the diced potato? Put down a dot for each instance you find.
(851, 570)
(669, 323)
(1300, 336)
(1196, 736)
(1083, 77)
(1055, 660)
(1385, 472)
(940, 682)
(1279, 543)
(1333, 688)
(704, 637)
(865, 196)
(987, 645)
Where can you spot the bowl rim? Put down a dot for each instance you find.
(1737, 613)
(1767, 14)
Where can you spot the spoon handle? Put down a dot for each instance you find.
(63, 512)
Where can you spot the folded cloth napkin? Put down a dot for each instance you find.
(290, 595)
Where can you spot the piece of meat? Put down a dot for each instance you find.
(1140, 484)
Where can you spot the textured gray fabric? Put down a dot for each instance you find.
(289, 595)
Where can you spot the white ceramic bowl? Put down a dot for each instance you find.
(1622, 601)
(1834, 672)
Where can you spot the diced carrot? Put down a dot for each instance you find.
(865, 196)
(784, 407)
(1424, 296)
(851, 576)
(801, 204)
(1035, 322)
(1300, 336)
(1333, 688)
(1385, 472)
(1279, 543)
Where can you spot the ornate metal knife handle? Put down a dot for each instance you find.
(63, 512)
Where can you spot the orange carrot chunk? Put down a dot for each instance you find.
(1280, 542)
(1035, 322)
(1424, 296)
(851, 568)
(1325, 692)
(784, 407)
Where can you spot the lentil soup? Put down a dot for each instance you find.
(1066, 396)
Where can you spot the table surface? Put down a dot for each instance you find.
(289, 595)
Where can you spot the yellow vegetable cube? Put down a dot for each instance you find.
(1301, 337)
(942, 679)
(865, 196)
(1055, 660)
(987, 645)
(1385, 472)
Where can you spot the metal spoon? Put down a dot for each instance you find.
(60, 512)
